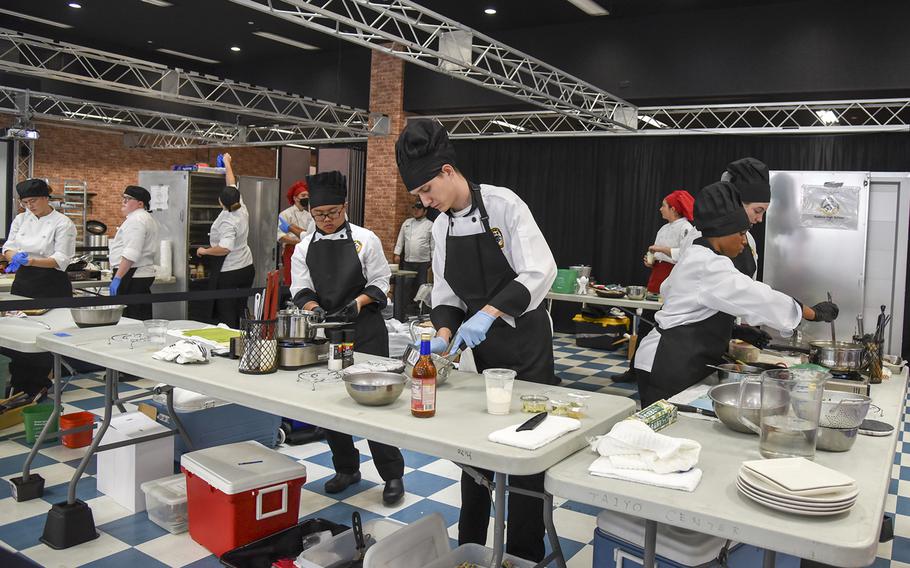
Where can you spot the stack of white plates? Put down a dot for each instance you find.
(798, 486)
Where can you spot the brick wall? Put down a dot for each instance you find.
(387, 202)
(100, 158)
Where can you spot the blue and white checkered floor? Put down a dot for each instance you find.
(432, 486)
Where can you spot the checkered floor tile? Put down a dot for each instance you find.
(130, 539)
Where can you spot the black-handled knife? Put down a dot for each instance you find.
(695, 410)
(533, 422)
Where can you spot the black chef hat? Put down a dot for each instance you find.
(327, 188)
(719, 210)
(422, 149)
(230, 197)
(33, 188)
(139, 194)
(750, 176)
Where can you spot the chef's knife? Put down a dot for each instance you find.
(533, 422)
(695, 410)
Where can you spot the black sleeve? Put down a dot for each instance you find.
(514, 299)
(447, 316)
(376, 294)
(305, 296)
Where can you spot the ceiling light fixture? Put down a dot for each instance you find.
(187, 55)
(590, 7)
(301, 146)
(35, 19)
(159, 3)
(282, 131)
(828, 117)
(652, 121)
(489, 11)
(235, 49)
(74, 5)
(72, 114)
(509, 125)
(286, 40)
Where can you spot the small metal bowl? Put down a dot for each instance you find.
(836, 439)
(636, 292)
(725, 398)
(96, 316)
(375, 389)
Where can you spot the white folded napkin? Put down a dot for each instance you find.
(551, 428)
(631, 444)
(182, 352)
(683, 481)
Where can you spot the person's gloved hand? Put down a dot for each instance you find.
(438, 345)
(825, 311)
(319, 314)
(474, 331)
(348, 313)
(115, 286)
(283, 225)
(752, 335)
(19, 260)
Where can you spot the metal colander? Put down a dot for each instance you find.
(843, 409)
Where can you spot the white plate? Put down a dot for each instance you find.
(800, 476)
(755, 482)
(791, 510)
(745, 488)
(894, 368)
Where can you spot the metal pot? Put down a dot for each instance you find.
(636, 292)
(96, 241)
(582, 270)
(95, 227)
(95, 316)
(735, 372)
(295, 324)
(838, 356)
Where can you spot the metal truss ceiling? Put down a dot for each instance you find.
(420, 36)
(817, 117)
(40, 57)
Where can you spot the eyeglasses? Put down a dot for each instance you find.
(127, 198)
(29, 201)
(327, 215)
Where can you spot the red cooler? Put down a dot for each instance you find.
(238, 493)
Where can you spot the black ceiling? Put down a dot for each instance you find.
(208, 28)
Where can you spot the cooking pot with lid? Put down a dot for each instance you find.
(296, 324)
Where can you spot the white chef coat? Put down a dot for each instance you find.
(231, 230)
(51, 236)
(416, 239)
(689, 238)
(136, 239)
(524, 246)
(375, 267)
(704, 283)
(294, 216)
(671, 235)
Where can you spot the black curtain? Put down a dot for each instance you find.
(596, 198)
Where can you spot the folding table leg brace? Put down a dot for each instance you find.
(498, 488)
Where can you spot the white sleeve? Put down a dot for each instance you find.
(533, 261)
(133, 239)
(399, 244)
(228, 236)
(722, 287)
(64, 243)
(12, 242)
(376, 268)
(300, 272)
(443, 295)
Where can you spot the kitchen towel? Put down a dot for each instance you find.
(181, 352)
(550, 429)
(683, 481)
(631, 444)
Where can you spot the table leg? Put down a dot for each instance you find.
(769, 559)
(556, 549)
(116, 394)
(650, 544)
(31, 486)
(499, 519)
(177, 423)
(96, 441)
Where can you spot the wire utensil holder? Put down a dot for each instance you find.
(260, 346)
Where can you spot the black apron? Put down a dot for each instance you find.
(476, 270)
(685, 351)
(745, 262)
(35, 282)
(130, 284)
(337, 280)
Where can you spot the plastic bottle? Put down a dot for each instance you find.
(423, 382)
(336, 350)
(348, 357)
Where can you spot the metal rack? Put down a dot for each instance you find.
(73, 202)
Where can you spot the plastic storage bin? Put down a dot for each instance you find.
(284, 544)
(414, 546)
(165, 502)
(211, 422)
(619, 539)
(343, 548)
(238, 493)
(476, 554)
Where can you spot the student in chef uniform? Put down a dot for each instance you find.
(293, 223)
(492, 269)
(132, 252)
(341, 270)
(703, 296)
(40, 245)
(229, 257)
(413, 251)
(676, 210)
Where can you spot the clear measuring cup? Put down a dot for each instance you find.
(791, 401)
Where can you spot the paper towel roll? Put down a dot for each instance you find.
(165, 260)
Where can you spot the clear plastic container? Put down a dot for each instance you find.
(156, 329)
(475, 554)
(165, 502)
(534, 403)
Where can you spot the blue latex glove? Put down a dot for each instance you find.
(437, 345)
(283, 225)
(115, 285)
(12, 267)
(219, 161)
(21, 258)
(474, 331)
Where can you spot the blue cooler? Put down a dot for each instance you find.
(619, 541)
(211, 422)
